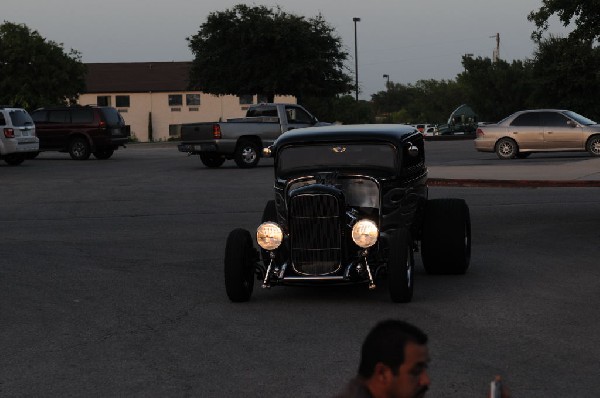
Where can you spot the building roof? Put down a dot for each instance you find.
(137, 77)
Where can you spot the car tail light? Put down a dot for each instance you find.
(216, 131)
(9, 133)
(102, 124)
(479, 133)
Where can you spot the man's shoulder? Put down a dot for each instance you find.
(355, 389)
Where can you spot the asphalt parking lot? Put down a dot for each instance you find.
(111, 284)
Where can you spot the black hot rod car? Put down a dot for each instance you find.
(351, 205)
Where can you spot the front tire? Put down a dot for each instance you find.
(401, 266)
(507, 148)
(446, 239)
(212, 160)
(239, 265)
(79, 149)
(246, 154)
(593, 145)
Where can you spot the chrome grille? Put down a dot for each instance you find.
(315, 233)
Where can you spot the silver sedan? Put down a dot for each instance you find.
(539, 130)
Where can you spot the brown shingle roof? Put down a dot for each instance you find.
(135, 77)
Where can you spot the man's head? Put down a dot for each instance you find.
(394, 360)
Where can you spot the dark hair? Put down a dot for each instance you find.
(385, 343)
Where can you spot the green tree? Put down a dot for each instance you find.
(341, 109)
(261, 50)
(495, 89)
(582, 14)
(35, 71)
(566, 75)
(428, 101)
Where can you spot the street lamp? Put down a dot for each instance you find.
(356, 57)
(387, 83)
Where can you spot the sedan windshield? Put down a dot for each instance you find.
(337, 156)
(580, 119)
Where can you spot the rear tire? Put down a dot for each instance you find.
(239, 265)
(507, 148)
(401, 266)
(79, 149)
(246, 154)
(593, 145)
(446, 240)
(103, 154)
(14, 159)
(212, 160)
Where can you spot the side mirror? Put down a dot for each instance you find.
(571, 123)
(266, 152)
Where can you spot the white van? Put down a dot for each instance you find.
(17, 136)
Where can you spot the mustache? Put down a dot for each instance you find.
(422, 391)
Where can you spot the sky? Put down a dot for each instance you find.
(409, 40)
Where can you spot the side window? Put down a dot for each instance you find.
(122, 101)
(553, 119)
(192, 99)
(175, 99)
(527, 119)
(103, 100)
(82, 116)
(39, 116)
(297, 115)
(2, 120)
(58, 116)
(246, 99)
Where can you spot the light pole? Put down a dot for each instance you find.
(387, 83)
(356, 58)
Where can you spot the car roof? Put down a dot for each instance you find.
(392, 133)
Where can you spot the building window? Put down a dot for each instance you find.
(262, 99)
(122, 101)
(246, 99)
(103, 100)
(192, 99)
(174, 130)
(175, 100)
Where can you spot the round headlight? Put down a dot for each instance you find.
(365, 233)
(269, 235)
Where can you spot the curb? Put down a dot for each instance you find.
(445, 182)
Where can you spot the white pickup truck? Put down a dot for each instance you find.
(242, 139)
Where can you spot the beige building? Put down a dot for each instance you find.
(154, 99)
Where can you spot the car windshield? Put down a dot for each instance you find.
(20, 118)
(580, 119)
(337, 156)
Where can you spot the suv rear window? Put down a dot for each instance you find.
(20, 118)
(111, 116)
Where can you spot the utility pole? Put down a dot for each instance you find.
(356, 57)
(496, 53)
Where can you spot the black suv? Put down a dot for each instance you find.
(81, 130)
(351, 205)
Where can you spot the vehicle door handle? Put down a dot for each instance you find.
(549, 132)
